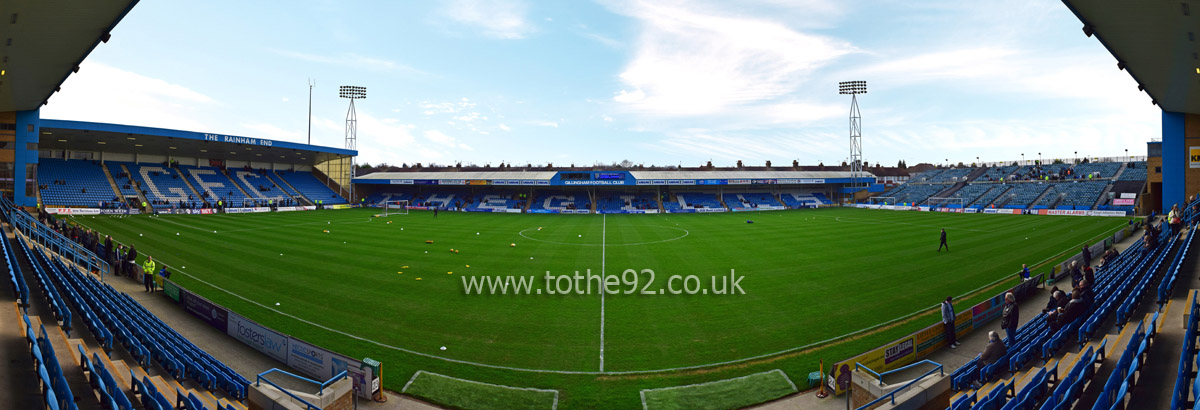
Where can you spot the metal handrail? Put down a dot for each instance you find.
(859, 366)
(321, 386)
(307, 405)
(892, 395)
(46, 236)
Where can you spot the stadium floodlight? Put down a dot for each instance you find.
(853, 88)
(352, 92)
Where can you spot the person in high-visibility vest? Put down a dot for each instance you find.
(148, 273)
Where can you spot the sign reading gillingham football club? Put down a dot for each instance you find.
(236, 140)
(1193, 157)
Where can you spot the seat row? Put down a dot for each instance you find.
(1187, 385)
(114, 316)
(1167, 285)
(1127, 372)
(52, 384)
(1119, 285)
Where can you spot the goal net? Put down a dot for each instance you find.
(952, 202)
(882, 200)
(399, 207)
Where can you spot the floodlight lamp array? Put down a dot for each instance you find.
(352, 92)
(852, 87)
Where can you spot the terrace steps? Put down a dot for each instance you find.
(1103, 195)
(66, 357)
(112, 182)
(235, 183)
(1045, 191)
(976, 173)
(1117, 176)
(300, 199)
(138, 187)
(191, 188)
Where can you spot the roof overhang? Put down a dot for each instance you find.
(1154, 41)
(101, 137)
(43, 42)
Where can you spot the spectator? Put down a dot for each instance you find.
(1011, 317)
(948, 321)
(1089, 275)
(1076, 274)
(1109, 256)
(994, 350)
(1063, 298)
(1054, 319)
(1074, 308)
(1053, 302)
(1174, 220)
(1024, 272)
(1087, 256)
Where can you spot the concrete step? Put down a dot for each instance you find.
(68, 360)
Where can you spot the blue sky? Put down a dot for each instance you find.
(655, 82)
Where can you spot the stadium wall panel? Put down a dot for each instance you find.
(309, 359)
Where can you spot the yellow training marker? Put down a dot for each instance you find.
(404, 267)
(468, 266)
(418, 278)
(399, 273)
(449, 273)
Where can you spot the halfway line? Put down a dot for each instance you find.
(603, 239)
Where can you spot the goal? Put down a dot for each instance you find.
(399, 207)
(951, 202)
(882, 200)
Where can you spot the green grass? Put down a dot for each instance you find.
(723, 394)
(809, 276)
(467, 394)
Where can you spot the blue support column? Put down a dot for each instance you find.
(28, 131)
(1174, 160)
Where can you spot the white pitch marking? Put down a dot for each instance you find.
(603, 240)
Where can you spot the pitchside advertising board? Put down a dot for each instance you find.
(924, 342)
(312, 361)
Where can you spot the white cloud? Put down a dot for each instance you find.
(505, 127)
(692, 61)
(504, 19)
(544, 123)
(453, 107)
(102, 93)
(285, 99)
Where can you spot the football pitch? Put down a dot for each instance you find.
(779, 293)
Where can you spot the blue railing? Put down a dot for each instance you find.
(41, 233)
(892, 396)
(320, 391)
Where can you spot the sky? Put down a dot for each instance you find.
(655, 82)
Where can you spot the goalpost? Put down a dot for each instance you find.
(883, 200)
(397, 207)
(948, 202)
